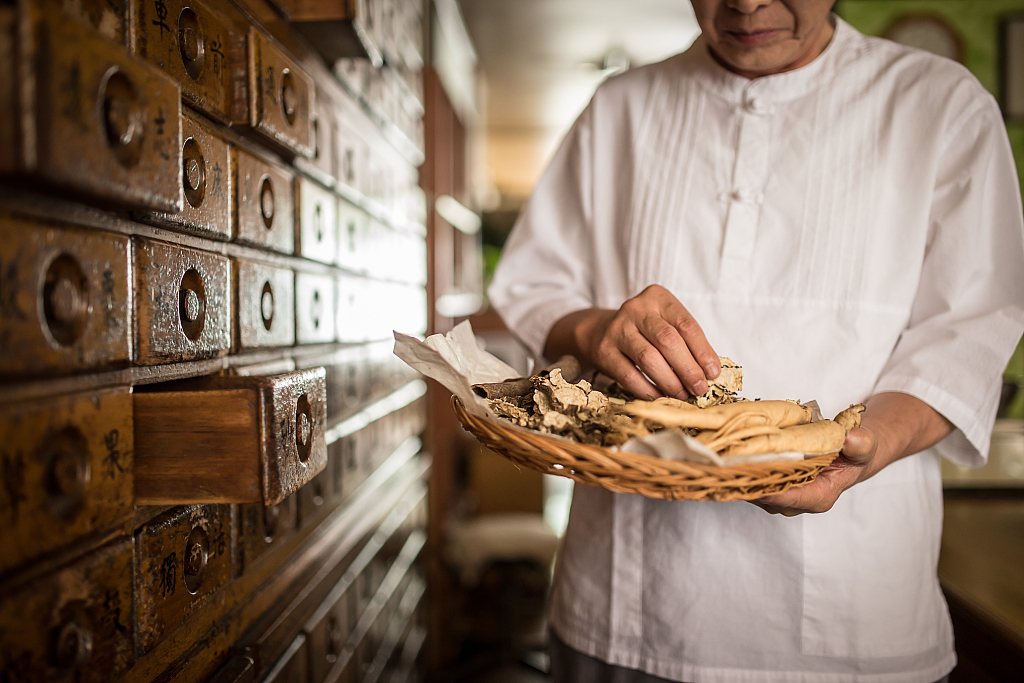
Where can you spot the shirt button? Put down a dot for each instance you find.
(756, 106)
(745, 196)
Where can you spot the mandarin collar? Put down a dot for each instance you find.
(777, 88)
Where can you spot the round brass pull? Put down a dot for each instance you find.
(72, 642)
(316, 309)
(192, 304)
(193, 169)
(267, 202)
(289, 96)
(271, 519)
(318, 224)
(191, 43)
(197, 555)
(122, 116)
(65, 299)
(267, 305)
(304, 428)
(68, 471)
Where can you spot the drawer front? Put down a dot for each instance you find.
(353, 235)
(67, 468)
(265, 208)
(107, 124)
(318, 221)
(72, 625)
(353, 154)
(190, 42)
(314, 308)
(184, 558)
(327, 637)
(261, 527)
(293, 665)
(183, 303)
(281, 95)
(315, 496)
(266, 305)
(65, 304)
(206, 176)
(324, 132)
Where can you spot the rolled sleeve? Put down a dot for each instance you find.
(967, 315)
(545, 269)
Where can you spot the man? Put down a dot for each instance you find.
(841, 216)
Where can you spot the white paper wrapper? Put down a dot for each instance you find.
(457, 361)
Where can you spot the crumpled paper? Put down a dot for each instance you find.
(457, 362)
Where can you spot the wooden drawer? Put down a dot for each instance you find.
(65, 305)
(353, 235)
(184, 557)
(100, 122)
(317, 237)
(67, 471)
(265, 304)
(192, 43)
(353, 152)
(72, 625)
(183, 303)
(280, 96)
(260, 527)
(265, 215)
(293, 664)
(314, 497)
(315, 308)
(324, 132)
(206, 177)
(328, 633)
(229, 439)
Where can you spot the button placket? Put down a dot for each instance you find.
(745, 196)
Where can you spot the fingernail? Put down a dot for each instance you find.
(700, 387)
(712, 370)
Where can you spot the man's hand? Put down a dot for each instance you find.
(893, 426)
(651, 337)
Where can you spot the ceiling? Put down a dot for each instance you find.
(541, 60)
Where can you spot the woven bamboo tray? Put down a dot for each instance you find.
(635, 473)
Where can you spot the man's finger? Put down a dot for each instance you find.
(651, 362)
(622, 370)
(672, 346)
(699, 347)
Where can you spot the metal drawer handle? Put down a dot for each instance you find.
(191, 43)
(267, 305)
(197, 555)
(289, 98)
(192, 304)
(65, 297)
(267, 202)
(193, 172)
(122, 116)
(68, 471)
(303, 428)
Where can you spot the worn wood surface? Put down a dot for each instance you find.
(261, 527)
(73, 624)
(280, 96)
(190, 41)
(182, 303)
(207, 181)
(67, 472)
(104, 123)
(184, 558)
(265, 302)
(65, 305)
(265, 208)
(317, 235)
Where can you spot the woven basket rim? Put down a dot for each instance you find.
(623, 471)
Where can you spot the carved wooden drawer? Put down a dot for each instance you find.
(229, 439)
(292, 666)
(192, 43)
(260, 527)
(100, 122)
(280, 96)
(184, 557)
(206, 177)
(324, 132)
(266, 305)
(72, 625)
(67, 471)
(65, 302)
(318, 221)
(183, 303)
(315, 308)
(265, 215)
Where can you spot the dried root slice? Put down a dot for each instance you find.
(722, 389)
(673, 413)
(718, 441)
(816, 438)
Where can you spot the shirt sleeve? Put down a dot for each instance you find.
(545, 268)
(967, 316)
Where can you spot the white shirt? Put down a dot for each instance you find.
(850, 227)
